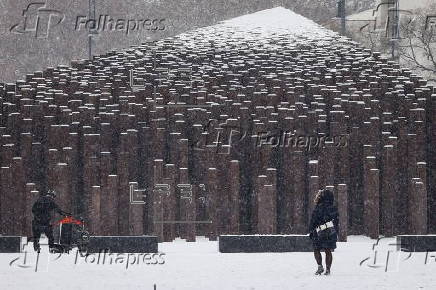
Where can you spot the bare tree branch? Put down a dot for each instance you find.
(416, 46)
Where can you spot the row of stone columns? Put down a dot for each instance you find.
(240, 142)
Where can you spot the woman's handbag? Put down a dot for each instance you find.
(326, 231)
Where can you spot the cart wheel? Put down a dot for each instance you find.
(84, 237)
(83, 250)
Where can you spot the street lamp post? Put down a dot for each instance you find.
(342, 15)
(91, 31)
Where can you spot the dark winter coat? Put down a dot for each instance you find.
(324, 211)
(43, 210)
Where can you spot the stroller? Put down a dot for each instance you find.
(72, 234)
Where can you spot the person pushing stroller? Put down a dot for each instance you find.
(42, 211)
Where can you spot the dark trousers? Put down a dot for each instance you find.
(46, 229)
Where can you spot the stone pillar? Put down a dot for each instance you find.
(418, 208)
(389, 191)
(187, 206)
(30, 196)
(259, 182)
(109, 206)
(6, 201)
(170, 203)
(287, 205)
(343, 212)
(159, 189)
(267, 210)
(136, 214)
(212, 188)
(234, 197)
(313, 191)
(123, 185)
(94, 224)
(300, 193)
(356, 181)
(63, 187)
(371, 203)
(432, 164)
(18, 190)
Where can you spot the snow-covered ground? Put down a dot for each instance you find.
(200, 266)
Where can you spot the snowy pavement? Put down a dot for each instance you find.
(200, 266)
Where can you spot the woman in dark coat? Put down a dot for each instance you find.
(323, 229)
